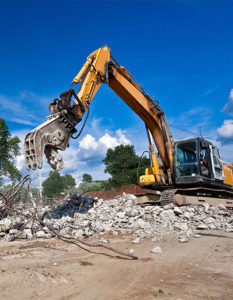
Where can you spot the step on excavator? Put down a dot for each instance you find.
(185, 172)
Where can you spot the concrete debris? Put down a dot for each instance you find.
(156, 250)
(40, 234)
(183, 239)
(131, 251)
(136, 241)
(202, 226)
(104, 241)
(80, 217)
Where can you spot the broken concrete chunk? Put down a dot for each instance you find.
(136, 241)
(202, 226)
(142, 224)
(13, 231)
(180, 226)
(168, 206)
(168, 215)
(5, 224)
(48, 235)
(131, 251)
(221, 206)
(178, 211)
(121, 215)
(156, 250)
(40, 234)
(27, 233)
(197, 235)
(183, 239)
(105, 241)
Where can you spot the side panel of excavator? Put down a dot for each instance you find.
(228, 172)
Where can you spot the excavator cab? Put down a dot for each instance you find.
(197, 161)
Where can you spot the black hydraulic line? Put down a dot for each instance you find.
(77, 98)
(88, 110)
(140, 164)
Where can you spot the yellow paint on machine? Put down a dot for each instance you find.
(228, 173)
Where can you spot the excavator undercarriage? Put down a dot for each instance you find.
(197, 196)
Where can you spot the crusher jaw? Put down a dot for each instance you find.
(48, 138)
(54, 133)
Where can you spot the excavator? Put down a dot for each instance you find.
(186, 172)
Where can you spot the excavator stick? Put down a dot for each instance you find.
(48, 138)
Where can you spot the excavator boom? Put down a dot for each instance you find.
(100, 67)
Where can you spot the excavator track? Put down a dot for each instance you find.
(197, 196)
(167, 196)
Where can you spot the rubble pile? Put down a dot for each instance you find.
(86, 216)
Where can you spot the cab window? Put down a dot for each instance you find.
(186, 160)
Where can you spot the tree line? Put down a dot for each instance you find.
(121, 163)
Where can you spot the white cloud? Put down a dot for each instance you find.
(122, 138)
(226, 130)
(90, 146)
(228, 108)
(20, 161)
(231, 95)
(21, 121)
(83, 157)
(206, 93)
(88, 142)
(108, 141)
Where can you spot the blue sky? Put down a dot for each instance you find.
(181, 52)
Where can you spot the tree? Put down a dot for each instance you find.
(122, 164)
(53, 185)
(90, 187)
(9, 149)
(87, 178)
(68, 181)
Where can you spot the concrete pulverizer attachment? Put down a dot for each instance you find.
(48, 138)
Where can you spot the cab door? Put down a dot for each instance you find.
(216, 162)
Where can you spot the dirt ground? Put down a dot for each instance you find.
(52, 269)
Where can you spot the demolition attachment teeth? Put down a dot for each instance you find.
(47, 138)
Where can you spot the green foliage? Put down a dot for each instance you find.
(90, 187)
(68, 181)
(73, 190)
(87, 177)
(55, 184)
(9, 149)
(122, 163)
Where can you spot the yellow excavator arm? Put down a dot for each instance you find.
(99, 68)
